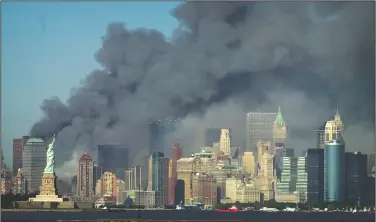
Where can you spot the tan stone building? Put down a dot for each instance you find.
(248, 163)
(225, 141)
(106, 185)
(238, 190)
(266, 178)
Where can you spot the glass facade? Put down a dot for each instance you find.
(259, 127)
(315, 170)
(334, 171)
(212, 135)
(302, 177)
(157, 170)
(33, 163)
(356, 174)
(160, 135)
(287, 184)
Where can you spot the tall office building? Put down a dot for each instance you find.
(33, 163)
(334, 129)
(85, 177)
(262, 148)
(315, 168)
(330, 130)
(334, 170)
(225, 141)
(18, 144)
(96, 175)
(371, 164)
(157, 171)
(279, 131)
(356, 175)
(287, 184)
(137, 177)
(113, 158)
(302, 177)
(248, 163)
(177, 153)
(320, 137)
(266, 178)
(160, 132)
(165, 162)
(212, 135)
(259, 128)
(281, 152)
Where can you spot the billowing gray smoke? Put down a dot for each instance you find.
(246, 52)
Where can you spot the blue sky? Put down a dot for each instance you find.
(48, 48)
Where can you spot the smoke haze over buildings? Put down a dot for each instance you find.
(225, 59)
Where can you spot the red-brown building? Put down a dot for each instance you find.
(177, 153)
(85, 176)
(204, 189)
(18, 144)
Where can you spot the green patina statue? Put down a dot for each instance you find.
(50, 160)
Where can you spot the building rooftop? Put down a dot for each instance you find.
(35, 140)
(86, 156)
(279, 119)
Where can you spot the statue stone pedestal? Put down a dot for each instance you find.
(47, 190)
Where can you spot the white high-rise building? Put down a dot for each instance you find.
(225, 141)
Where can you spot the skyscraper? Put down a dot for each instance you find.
(18, 144)
(33, 163)
(279, 130)
(212, 135)
(315, 168)
(356, 175)
(289, 174)
(136, 178)
(264, 127)
(96, 174)
(113, 158)
(248, 163)
(177, 153)
(301, 178)
(165, 162)
(334, 171)
(157, 171)
(370, 164)
(160, 132)
(225, 141)
(85, 177)
(262, 148)
(334, 128)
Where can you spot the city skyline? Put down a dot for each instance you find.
(303, 109)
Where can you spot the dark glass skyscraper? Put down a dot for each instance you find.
(212, 135)
(160, 132)
(356, 175)
(315, 168)
(334, 171)
(157, 169)
(113, 158)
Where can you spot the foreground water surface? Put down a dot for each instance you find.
(163, 215)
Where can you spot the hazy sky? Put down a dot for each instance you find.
(49, 47)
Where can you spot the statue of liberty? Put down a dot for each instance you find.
(50, 160)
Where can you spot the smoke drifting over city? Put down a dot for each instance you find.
(225, 59)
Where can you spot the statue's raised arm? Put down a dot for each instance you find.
(53, 140)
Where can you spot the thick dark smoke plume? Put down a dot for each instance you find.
(225, 59)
